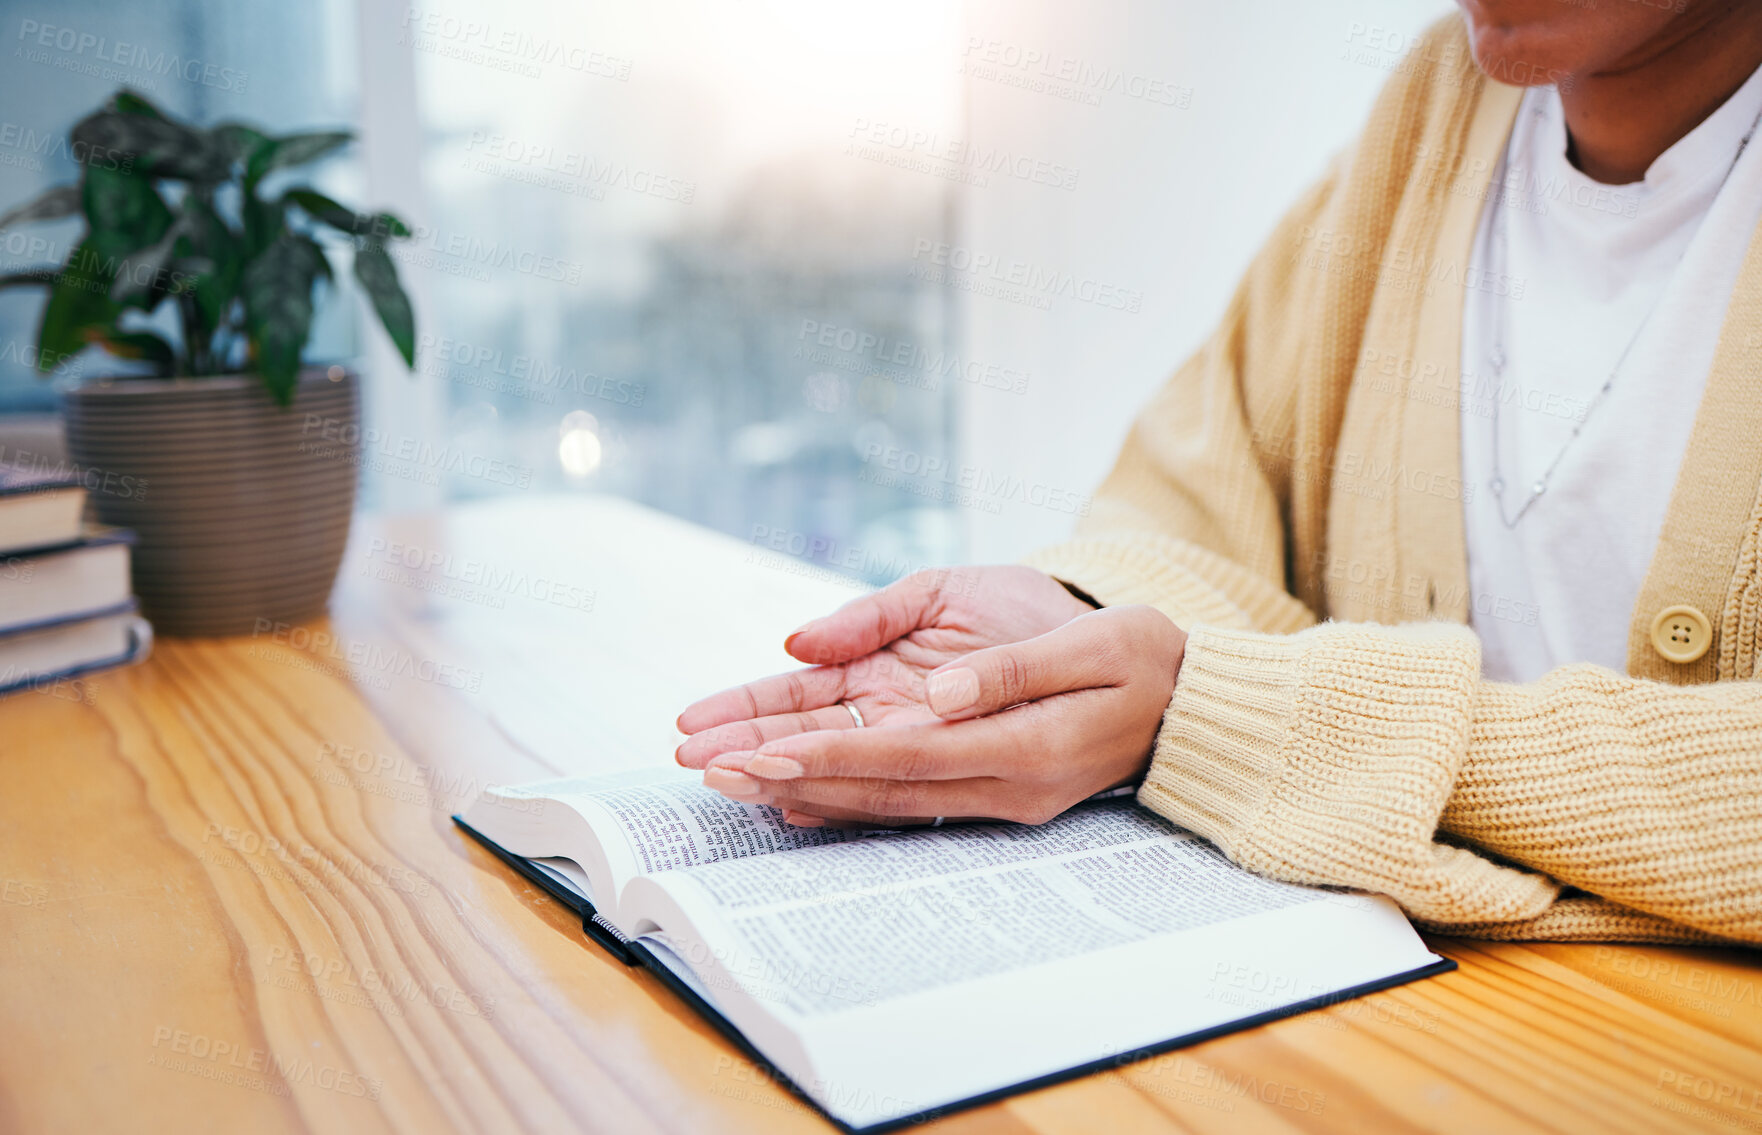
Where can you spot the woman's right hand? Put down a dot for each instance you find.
(874, 653)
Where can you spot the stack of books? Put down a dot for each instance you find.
(65, 603)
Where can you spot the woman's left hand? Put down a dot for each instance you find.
(1025, 731)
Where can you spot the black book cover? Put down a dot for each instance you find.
(16, 481)
(90, 536)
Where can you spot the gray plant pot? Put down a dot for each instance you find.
(241, 508)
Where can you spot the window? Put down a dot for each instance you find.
(653, 255)
(661, 260)
(730, 260)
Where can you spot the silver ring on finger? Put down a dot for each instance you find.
(854, 714)
(937, 822)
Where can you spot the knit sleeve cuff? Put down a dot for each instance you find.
(1189, 584)
(1326, 757)
(1222, 749)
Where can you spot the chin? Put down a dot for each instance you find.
(1526, 43)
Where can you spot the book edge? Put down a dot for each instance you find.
(90, 536)
(140, 645)
(127, 606)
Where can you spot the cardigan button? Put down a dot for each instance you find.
(1681, 634)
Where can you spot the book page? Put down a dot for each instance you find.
(572, 877)
(568, 874)
(672, 821)
(831, 929)
(904, 972)
(644, 821)
(921, 853)
(625, 825)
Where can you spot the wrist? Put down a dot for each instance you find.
(1172, 649)
(1164, 648)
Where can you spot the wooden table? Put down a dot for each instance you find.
(233, 900)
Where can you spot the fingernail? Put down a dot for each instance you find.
(731, 783)
(735, 761)
(774, 768)
(803, 820)
(803, 629)
(952, 690)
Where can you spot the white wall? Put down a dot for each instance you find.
(1169, 201)
(394, 400)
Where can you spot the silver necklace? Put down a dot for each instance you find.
(1497, 357)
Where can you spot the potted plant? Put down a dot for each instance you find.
(235, 466)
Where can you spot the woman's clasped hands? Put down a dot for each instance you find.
(983, 693)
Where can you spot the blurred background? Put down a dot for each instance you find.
(876, 285)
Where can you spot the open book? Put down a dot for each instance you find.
(894, 975)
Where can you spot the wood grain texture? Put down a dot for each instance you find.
(231, 897)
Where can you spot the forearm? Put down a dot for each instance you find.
(1373, 757)
(1647, 794)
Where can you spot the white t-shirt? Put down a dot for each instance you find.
(1583, 264)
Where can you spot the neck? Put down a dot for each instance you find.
(1620, 119)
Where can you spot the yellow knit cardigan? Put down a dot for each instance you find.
(1293, 499)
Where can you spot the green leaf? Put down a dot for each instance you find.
(142, 278)
(323, 261)
(36, 277)
(292, 150)
(277, 290)
(53, 204)
(128, 102)
(143, 346)
(206, 229)
(380, 277)
(217, 285)
(148, 145)
(322, 208)
(78, 301)
(124, 211)
(375, 226)
(265, 222)
(388, 223)
(216, 256)
(236, 140)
